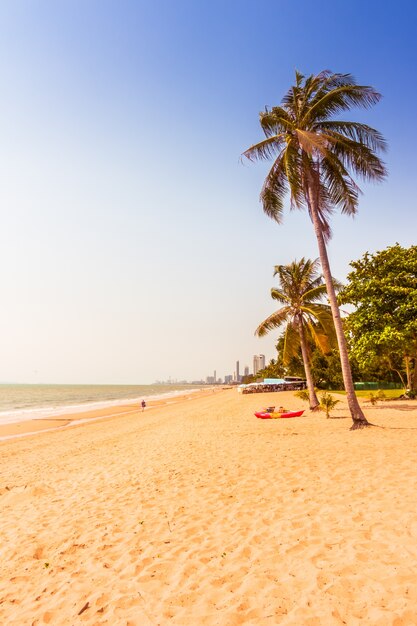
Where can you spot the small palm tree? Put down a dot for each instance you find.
(303, 395)
(327, 403)
(377, 397)
(301, 289)
(315, 158)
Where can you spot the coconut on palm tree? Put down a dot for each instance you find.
(316, 158)
(304, 316)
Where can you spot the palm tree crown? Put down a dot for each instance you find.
(301, 289)
(316, 155)
(300, 293)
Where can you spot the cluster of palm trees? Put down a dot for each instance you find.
(315, 159)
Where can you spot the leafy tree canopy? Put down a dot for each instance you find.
(383, 288)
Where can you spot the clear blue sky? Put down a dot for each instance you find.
(133, 246)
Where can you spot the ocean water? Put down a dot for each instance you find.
(25, 402)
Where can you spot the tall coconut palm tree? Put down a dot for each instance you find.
(315, 159)
(301, 289)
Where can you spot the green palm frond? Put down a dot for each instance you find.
(341, 98)
(265, 149)
(319, 314)
(320, 327)
(291, 343)
(276, 294)
(340, 188)
(291, 162)
(299, 78)
(315, 292)
(273, 321)
(321, 340)
(356, 156)
(274, 191)
(275, 121)
(361, 133)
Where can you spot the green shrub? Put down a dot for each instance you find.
(377, 397)
(327, 403)
(303, 395)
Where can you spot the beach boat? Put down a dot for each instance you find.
(272, 416)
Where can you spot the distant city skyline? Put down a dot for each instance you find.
(259, 362)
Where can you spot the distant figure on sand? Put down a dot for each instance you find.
(143, 405)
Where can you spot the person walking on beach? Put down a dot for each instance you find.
(143, 405)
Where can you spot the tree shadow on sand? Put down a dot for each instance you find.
(402, 407)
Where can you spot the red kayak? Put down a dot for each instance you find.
(271, 416)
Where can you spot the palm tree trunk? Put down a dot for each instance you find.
(413, 367)
(314, 403)
(359, 419)
(414, 375)
(408, 372)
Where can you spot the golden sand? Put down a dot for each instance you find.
(197, 513)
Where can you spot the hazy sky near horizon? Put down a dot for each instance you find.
(133, 245)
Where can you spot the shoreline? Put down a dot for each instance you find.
(61, 420)
(51, 410)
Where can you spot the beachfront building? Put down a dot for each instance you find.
(289, 383)
(237, 372)
(246, 371)
(258, 363)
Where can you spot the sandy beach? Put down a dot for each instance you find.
(197, 513)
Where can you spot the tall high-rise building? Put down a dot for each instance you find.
(237, 371)
(246, 370)
(258, 363)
